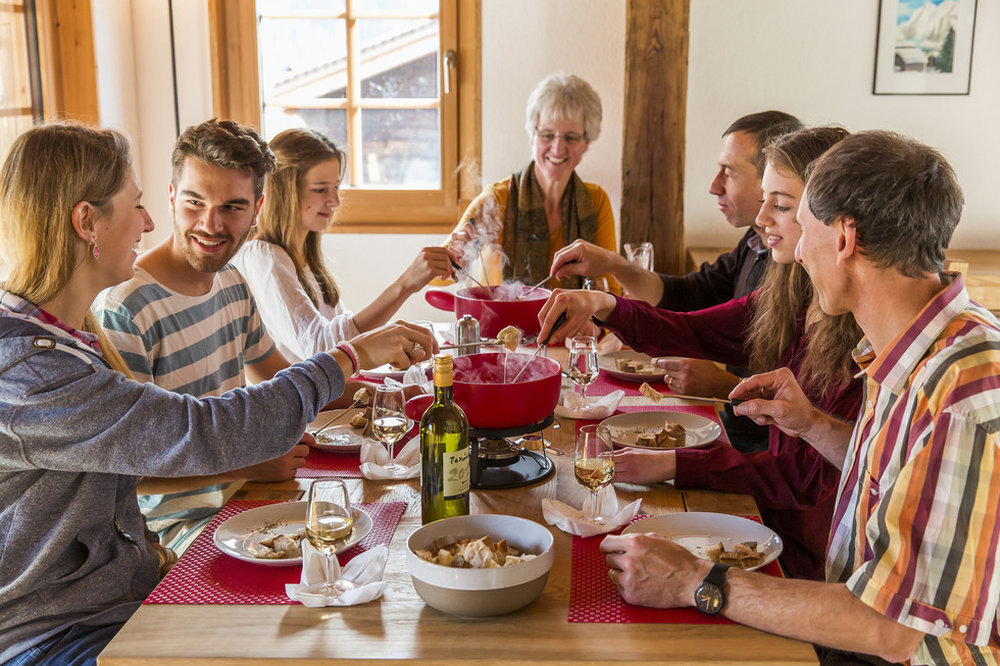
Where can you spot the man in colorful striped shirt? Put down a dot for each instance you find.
(912, 566)
(187, 321)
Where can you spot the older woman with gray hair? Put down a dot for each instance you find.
(528, 217)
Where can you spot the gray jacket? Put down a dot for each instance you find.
(75, 436)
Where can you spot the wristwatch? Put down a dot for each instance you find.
(709, 597)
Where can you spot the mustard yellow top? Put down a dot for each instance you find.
(489, 208)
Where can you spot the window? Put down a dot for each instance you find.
(395, 82)
(20, 105)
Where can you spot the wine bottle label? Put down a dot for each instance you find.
(455, 466)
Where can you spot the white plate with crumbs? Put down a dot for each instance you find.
(699, 531)
(626, 428)
(240, 536)
(645, 370)
(340, 437)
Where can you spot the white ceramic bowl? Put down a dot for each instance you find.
(481, 592)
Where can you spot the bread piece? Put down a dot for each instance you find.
(363, 397)
(651, 392)
(509, 337)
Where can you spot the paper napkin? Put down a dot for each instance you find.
(374, 457)
(571, 405)
(364, 571)
(574, 521)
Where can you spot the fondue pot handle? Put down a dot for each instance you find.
(441, 299)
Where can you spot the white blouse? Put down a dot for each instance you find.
(298, 328)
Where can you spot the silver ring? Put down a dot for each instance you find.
(670, 381)
(416, 346)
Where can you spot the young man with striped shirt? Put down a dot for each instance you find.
(187, 321)
(912, 569)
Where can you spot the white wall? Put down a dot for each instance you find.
(813, 58)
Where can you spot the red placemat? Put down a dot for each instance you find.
(205, 575)
(594, 598)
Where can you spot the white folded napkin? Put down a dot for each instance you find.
(375, 455)
(598, 407)
(365, 571)
(574, 521)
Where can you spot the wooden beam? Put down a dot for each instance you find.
(233, 49)
(66, 59)
(656, 62)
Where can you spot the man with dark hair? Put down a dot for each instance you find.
(912, 568)
(734, 274)
(187, 320)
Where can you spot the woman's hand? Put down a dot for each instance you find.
(402, 344)
(430, 263)
(583, 258)
(642, 466)
(696, 377)
(579, 306)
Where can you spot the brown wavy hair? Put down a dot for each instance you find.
(787, 291)
(48, 171)
(297, 151)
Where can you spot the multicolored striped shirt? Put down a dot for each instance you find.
(197, 345)
(917, 521)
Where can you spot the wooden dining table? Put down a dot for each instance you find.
(399, 627)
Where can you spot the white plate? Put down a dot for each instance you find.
(608, 362)
(380, 373)
(240, 535)
(338, 438)
(699, 531)
(625, 428)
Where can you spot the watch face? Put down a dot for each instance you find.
(709, 598)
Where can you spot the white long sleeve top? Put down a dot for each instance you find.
(299, 329)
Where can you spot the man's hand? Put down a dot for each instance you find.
(281, 468)
(430, 263)
(642, 466)
(651, 570)
(775, 398)
(402, 344)
(583, 258)
(578, 305)
(696, 377)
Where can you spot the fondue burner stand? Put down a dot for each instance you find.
(497, 462)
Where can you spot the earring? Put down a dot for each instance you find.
(93, 247)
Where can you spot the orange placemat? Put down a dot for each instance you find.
(594, 598)
(205, 575)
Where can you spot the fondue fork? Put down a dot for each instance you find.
(458, 269)
(531, 289)
(337, 417)
(560, 320)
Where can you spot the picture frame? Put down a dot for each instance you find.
(924, 47)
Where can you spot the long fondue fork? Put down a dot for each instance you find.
(560, 320)
(337, 417)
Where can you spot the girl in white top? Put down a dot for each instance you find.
(282, 262)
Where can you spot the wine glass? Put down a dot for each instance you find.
(583, 362)
(640, 254)
(594, 465)
(389, 422)
(329, 524)
(595, 284)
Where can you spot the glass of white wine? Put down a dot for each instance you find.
(594, 465)
(582, 366)
(329, 524)
(389, 422)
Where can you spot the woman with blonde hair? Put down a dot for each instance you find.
(778, 325)
(299, 301)
(518, 224)
(76, 434)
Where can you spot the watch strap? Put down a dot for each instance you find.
(717, 575)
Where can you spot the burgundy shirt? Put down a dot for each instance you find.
(794, 486)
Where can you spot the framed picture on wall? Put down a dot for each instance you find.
(924, 47)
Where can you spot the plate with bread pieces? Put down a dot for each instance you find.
(719, 537)
(661, 430)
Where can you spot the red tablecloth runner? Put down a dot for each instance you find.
(594, 598)
(346, 465)
(205, 575)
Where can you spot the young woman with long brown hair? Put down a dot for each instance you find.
(778, 325)
(299, 301)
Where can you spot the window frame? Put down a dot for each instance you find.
(236, 95)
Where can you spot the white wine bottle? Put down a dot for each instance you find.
(444, 451)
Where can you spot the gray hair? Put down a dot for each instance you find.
(564, 96)
(904, 198)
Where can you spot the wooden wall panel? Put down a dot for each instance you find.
(67, 61)
(656, 63)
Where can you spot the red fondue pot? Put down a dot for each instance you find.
(494, 314)
(488, 402)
